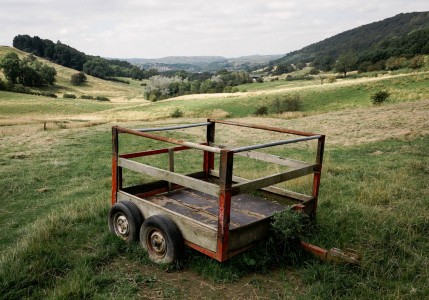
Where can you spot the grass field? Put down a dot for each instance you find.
(55, 190)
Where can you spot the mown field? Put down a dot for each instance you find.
(374, 197)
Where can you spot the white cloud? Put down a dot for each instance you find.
(142, 28)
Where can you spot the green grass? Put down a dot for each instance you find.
(317, 99)
(55, 194)
(14, 104)
(55, 242)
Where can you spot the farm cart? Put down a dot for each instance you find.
(211, 211)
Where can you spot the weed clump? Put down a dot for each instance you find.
(87, 97)
(289, 225)
(288, 103)
(380, 97)
(102, 98)
(69, 96)
(177, 113)
(261, 110)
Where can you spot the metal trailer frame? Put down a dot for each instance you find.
(222, 241)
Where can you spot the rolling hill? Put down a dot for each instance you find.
(404, 34)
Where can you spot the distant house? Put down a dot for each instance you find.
(256, 78)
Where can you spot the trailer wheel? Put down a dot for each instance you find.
(125, 220)
(162, 240)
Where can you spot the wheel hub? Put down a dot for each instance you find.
(157, 244)
(121, 225)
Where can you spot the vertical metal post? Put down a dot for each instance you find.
(170, 165)
(209, 156)
(317, 173)
(115, 173)
(225, 177)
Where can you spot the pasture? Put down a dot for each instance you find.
(55, 193)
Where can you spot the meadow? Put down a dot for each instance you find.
(55, 194)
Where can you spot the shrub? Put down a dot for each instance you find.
(2, 85)
(19, 88)
(417, 62)
(78, 78)
(48, 94)
(177, 113)
(87, 97)
(380, 97)
(102, 98)
(261, 110)
(289, 103)
(331, 79)
(314, 71)
(117, 80)
(70, 96)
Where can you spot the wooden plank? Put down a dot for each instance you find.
(192, 230)
(274, 159)
(245, 235)
(271, 189)
(252, 185)
(199, 185)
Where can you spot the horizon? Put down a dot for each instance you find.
(190, 29)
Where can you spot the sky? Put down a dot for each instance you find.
(159, 28)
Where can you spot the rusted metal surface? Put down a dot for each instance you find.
(278, 143)
(269, 128)
(318, 173)
(115, 149)
(173, 127)
(169, 140)
(225, 177)
(153, 152)
(333, 255)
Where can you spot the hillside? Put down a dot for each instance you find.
(404, 34)
(203, 63)
(94, 86)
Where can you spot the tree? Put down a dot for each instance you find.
(417, 62)
(48, 74)
(97, 67)
(28, 71)
(78, 78)
(10, 64)
(283, 68)
(345, 63)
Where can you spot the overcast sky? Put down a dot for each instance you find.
(158, 28)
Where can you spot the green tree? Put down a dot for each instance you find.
(346, 63)
(78, 78)
(10, 64)
(97, 67)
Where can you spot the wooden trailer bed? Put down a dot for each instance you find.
(216, 213)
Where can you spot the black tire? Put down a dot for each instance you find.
(162, 240)
(125, 220)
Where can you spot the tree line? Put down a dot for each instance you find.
(182, 83)
(67, 56)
